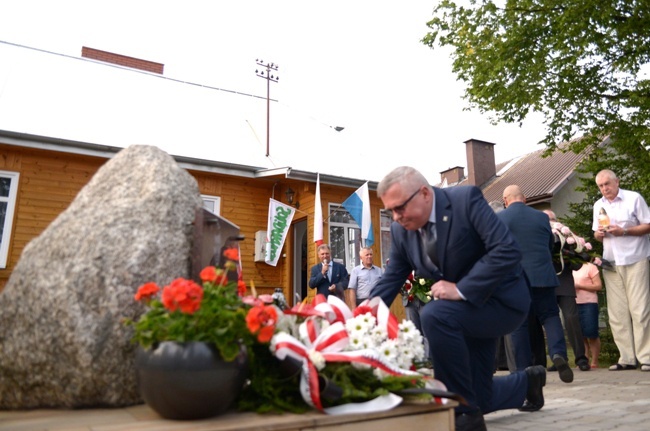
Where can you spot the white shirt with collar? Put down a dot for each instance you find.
(628, 209)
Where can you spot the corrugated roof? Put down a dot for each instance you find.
(538, 177)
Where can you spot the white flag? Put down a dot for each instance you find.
(318, 215)
(280, 216)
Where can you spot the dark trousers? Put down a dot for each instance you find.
(525, 346)
(571, 318)
(463, 348)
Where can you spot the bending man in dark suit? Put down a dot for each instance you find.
(532, 230)
(328, 277)
(480, 294)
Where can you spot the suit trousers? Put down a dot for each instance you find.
(547, 312)
(571, 320)
(628, 307)
(462, 340)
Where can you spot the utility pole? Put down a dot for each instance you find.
(270, 67)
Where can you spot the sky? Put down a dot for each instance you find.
(353, 64)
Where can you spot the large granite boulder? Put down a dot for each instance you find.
(63, 341)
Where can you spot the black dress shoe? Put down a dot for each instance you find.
(535, 394)
(566, 373)
(470, 421)
(583, 364)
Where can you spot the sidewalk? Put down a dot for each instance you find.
(596, 400)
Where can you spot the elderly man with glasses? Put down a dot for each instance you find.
(453, 236)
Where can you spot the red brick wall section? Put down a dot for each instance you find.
(122, 60)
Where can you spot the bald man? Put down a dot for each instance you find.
(532, 230)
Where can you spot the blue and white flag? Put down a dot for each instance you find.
(358, 205)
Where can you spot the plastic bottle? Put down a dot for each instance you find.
(603, 219)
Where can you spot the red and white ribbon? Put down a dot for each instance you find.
(385, 319)
(327, 347)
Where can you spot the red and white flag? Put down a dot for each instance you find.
(318, 215)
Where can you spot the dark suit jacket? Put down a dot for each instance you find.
(339, 277)
(532, 230)
(475, 250)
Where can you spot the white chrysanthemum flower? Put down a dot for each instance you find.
(368, 320)
(418, 351)
(378, 335)
(422, 281)
(317, 359)
(404, 363)
(407, 331)
(388, 350)
(356, 342)
(356, 326)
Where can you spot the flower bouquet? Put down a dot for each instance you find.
(571, 248)
(416, 287)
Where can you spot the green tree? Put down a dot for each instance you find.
(580, 63)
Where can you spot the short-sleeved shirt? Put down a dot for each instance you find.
(363, 279)
(628, 209)
(583, 277)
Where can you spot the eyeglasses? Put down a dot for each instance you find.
(399, 209)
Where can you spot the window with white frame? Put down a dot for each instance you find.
(212, 203)
(345, 237)
(8, 193)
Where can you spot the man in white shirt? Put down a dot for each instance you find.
(363, 277)
(626, 245)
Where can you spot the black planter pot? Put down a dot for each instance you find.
(189, 380)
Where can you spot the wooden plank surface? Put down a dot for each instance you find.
(142, 418)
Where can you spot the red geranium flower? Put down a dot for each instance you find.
(209, 273)
(182, 294)
(146, 291)
(261, 320)
(231, 254)
(241, 288)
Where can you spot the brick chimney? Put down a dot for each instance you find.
(122, 60)
(452, 175)
(480, 162)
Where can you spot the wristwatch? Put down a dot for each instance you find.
(624, 231)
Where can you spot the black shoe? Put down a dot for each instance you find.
(470, 421)
(566, 374)
(535, 394)
(583, 364)
(552, 368)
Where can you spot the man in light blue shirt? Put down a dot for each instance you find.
(363, 277)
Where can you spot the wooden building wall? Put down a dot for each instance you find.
(48, 183)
